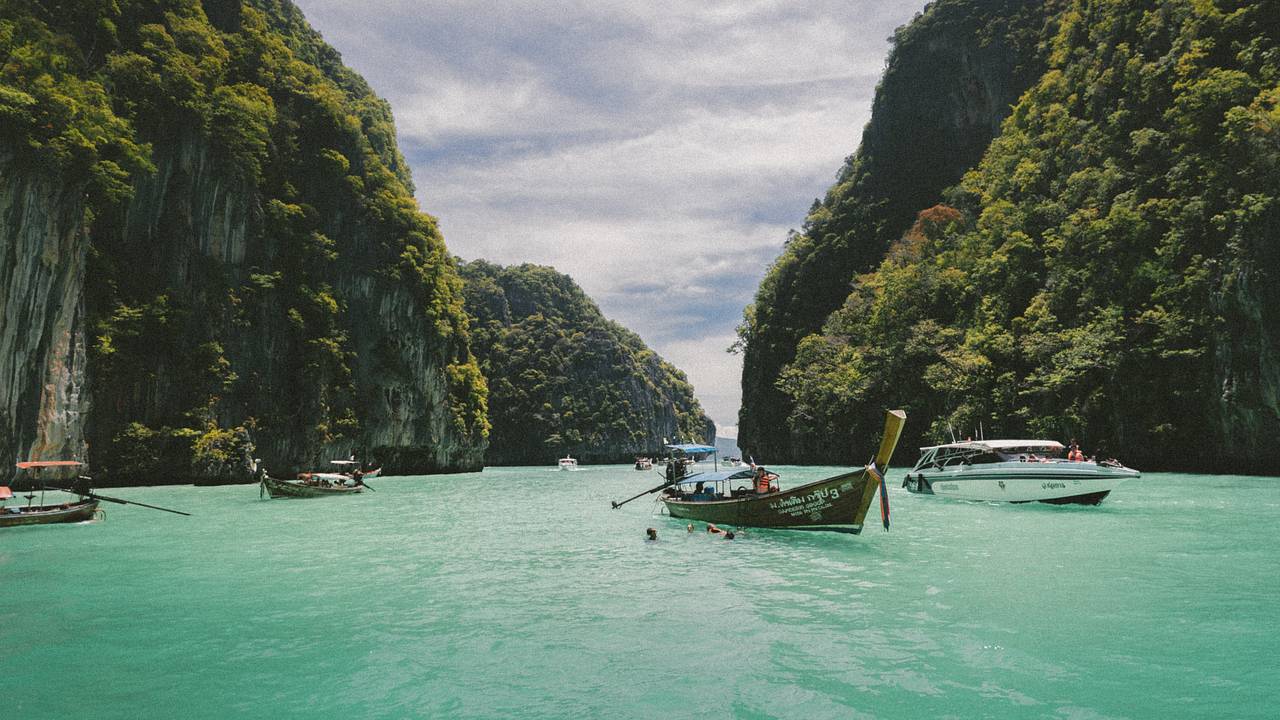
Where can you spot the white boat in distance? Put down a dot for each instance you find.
(568, 463)
(1013, 471)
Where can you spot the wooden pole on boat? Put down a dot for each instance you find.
(83, 491)
(666, 484)
(893, 422)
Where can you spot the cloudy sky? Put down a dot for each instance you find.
(656, 151)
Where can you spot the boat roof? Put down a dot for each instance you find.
(740, 474)
(999, 445)
(693, 448)
(49, 463)
(343, 462)
(5, 492)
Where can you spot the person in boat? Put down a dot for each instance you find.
(1074, 454)
(764, 481)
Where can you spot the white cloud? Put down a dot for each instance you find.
(658, 152)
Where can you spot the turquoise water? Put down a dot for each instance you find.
(518, 593)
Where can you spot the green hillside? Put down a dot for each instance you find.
(564, 379)
(1106, 271)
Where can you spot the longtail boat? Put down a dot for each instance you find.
(85, 507)
(313, 487)
(838, 503)
(44, 513)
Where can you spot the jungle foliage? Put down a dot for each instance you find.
(1108, 271)
(949, 80)
(564, 379)
(239, 106)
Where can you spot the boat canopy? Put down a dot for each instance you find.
(343, 462)
(711, 477)
(5, 492)
(49, 463)
(690, 449)
(1002, 446)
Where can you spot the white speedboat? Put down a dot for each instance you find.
(1013, 471)
(568, 463)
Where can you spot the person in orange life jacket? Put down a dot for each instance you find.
(1074, 454)
(763, 479)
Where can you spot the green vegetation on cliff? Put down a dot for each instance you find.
(1107, 271)
(949, 81)
(564, 379)
(258, 267)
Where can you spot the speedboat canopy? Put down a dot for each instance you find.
(691, 449)
(1003, 446)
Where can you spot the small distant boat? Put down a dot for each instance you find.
(644, 463)
(749, 497)
(568, 463)
(731, 462)
(317, 484)
(1016, 471)
(85, 507)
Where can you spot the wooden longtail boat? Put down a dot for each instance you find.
(276, 488)
(838, 503)
(78, 511)
(85, 507)
(44, 514)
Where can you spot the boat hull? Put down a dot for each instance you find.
(837, 504)
(276, 488)
(49, 514)
(1058, 483)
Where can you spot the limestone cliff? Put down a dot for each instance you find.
(950, 79)
(565, 380)
(1105, 272)
(208, 230)
(42, 326)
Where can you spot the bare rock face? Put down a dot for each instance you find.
(229, 372)
(42, 335)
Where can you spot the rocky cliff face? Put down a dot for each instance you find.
(43, 401)
(254, 281)
(951, 79)
(565, 380)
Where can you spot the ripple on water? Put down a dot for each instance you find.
(520, 593)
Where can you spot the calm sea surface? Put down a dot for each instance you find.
(518, 593)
